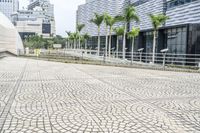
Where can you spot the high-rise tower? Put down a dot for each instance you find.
(8, 7)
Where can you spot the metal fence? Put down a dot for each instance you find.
(163, 59)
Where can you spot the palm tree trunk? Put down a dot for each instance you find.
(79, 42)
(106, 47)
(117, 46)
(85, 44)
(132, 50)
(74, 44)
(98, 52)
(110, 41)
(154, 46)
(124, 41)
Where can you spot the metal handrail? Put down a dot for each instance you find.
(160, 58)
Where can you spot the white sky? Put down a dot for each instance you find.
(65, 14)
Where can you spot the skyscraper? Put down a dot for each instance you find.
(8, 7)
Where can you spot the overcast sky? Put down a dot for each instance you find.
(65, 14)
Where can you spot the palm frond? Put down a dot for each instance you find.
(80, 27)
(98, 19)
(134, 32)
(119, 31)
(86, 36)
(158, 20)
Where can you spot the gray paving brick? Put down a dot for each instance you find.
(40, 96)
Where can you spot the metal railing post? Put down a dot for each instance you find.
(104, 57)
(164, 52)
(140, 56)
(90, 50)
(131, 58)
(164, 59)
(82, 57)
(140, 51)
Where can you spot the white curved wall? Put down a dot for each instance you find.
(9, 37)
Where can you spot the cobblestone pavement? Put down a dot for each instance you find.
(48, 97)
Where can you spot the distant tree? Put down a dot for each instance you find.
(59, 40)
(128, 15)
(74, 36)
(79, 29)
(132, 34)
(106, 23)
(34, 42)
(119, 32)
(86, 36)
(69, 42)
(110, 21)
(157, 21)
(97, 20)
(38, 42)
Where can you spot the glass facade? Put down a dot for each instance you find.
(93, 42)
(24, 35)
(180, 40)
(148, 37)
(194, 40)
(176, 40)
(46, 28)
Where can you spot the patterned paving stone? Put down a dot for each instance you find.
(48, 97)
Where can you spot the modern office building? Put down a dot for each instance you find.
(37, 19)
(86, 12)
(9, 37)
(180, 34)
(8, 7)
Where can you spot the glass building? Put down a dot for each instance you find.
(180, 34)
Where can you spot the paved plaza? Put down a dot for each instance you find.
(49, 97)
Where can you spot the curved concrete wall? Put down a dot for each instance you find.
(9, 37)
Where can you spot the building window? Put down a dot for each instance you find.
(140, 2)
(175, 3)
(46, 28)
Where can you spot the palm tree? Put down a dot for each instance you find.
(110, 22)
(97, 20)
(86, 37)
(71, 39)
(119, 32)
(129, 14)
(82, 41)
(74, 36)
(106, 22)
(132, 34)
(157, 21)
(68, 38)
(79, 29)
